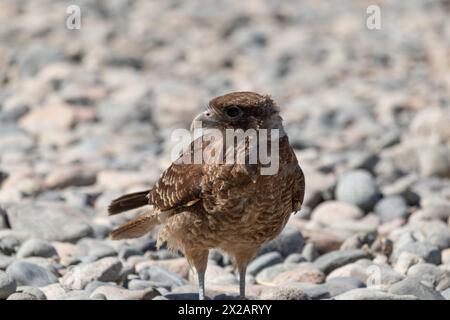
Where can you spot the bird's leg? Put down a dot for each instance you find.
(242, 282)
(199, 259)
(201, 286)
(241, 259)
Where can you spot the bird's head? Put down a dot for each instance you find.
(240, 110)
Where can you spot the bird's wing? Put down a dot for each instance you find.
(299, 188)
(180, 184)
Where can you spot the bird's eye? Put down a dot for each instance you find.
(233, 112)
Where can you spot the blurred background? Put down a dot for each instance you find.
(86, 115)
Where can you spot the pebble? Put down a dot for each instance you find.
(106, 269)
(296, 258)
(372, 294)
(37, 248)
(427, 273)
(411, 286)
(391, 208)
(264, 261)
(290, 240)
(427, 252)
(333, 260)
(267, 275)
(283, 293)
(329, 212)
(338, 285)
(165, 277)
(30, 274)
(7, 285)
(117, 293)
(49, 221)
(358, 188)
(303, 273)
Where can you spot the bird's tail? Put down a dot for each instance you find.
(136, 228)
(128, 202)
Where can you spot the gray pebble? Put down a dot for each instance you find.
(391, 208)
(37, 248)
(29, 274)
(358, 187)
(335, 259)
(7, 285)
(412, 286)
(290, 240)
(264, 261)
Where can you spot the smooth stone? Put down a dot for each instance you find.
(427, 273)
(91, 286)
(283, 293)
(295, 258)
(117, 293)
(412, 286)
(264, 261)
(54, 291)
(7, 285)
(165, 277)
(391, 208)
(309, 252)
(329, 212)
(333, 260)
(435, 161)
(179, 266)
(358, 188)
(138, 284)
(305, 272)
(29, 274)
(215, 275)
(446, 294)
(39, 294)
(183, 296)
(290, 240)
(22, 296)
(106, 269)
(49, 221)
(428, 252)
(5, 261)
(266, 275)
(37, 248)
(371, 294)
(339, 285)
(382, 276)
(359, 270)
(76, 295)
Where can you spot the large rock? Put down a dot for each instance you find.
(358, 188)
(283, 293)
(333, 260)
(49, 221)
(106, 269)
(30, 274)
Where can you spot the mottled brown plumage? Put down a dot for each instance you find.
(232, 207)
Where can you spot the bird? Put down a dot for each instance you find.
(232, 207)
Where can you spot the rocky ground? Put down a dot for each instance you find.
(86, 115)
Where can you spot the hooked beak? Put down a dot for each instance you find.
(205, 119)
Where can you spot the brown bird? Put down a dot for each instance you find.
(232, 207)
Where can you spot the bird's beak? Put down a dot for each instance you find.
(205, 119)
